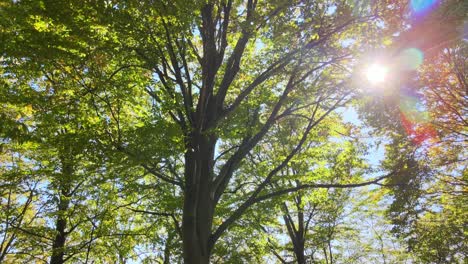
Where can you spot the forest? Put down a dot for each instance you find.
(233, 131)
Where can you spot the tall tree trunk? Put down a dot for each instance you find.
(297, 238)
(330, 251)
(296, 231)
(299, 252)
(300, 232)
(326, 255)
(58, 247)
(199, 202)
(167, 248)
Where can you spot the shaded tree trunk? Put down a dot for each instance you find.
(199, 201)
(297, 231)
(167, 248)
(296, 234)
(58, 247)
(299, 252)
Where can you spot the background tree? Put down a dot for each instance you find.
(428, 143)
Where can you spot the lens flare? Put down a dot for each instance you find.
(376, 73)
(418, 132)
(415, 119)
(421, 6)
(413, 110)
(411, 59)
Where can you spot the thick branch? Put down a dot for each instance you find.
(233, 63)
(315, 186)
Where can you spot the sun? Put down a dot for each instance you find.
(376, 73)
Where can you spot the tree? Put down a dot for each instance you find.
(310, 218)
(174, 85)
(429, 141)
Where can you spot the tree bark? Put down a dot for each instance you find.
(299, 252)
(297, 239)
(58, 247)
(167, 248)
(199, 199)
(297, 235)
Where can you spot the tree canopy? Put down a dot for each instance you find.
(233, 131)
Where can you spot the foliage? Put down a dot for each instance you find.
(170, 131)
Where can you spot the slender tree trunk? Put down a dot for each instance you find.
(58, 247)
(300, 232)
(326, 255)
(167, 248)
(199, 203)
(297, 239)
(297, 230)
